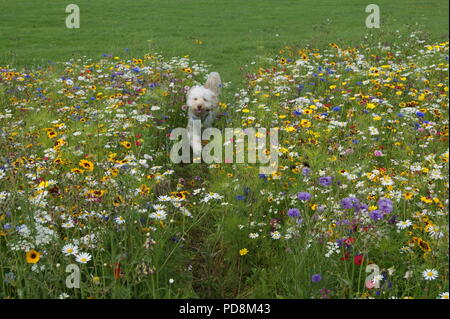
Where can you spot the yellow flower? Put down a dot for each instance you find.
(243, 252)
(291, 129)
(33, 256)
(51, 134)
(126, 144)
(87, 165)
(305, 123)
(96, 280)
(408, 195)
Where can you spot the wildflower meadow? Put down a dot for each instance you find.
(91, 205)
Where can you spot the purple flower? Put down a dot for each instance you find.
(326, 181)
(293, 212)
(304, 196)
(306, 171)
(350, 202)
(316, 278)
(385, 205)
(376, 215)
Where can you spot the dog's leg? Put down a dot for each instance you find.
(195, 138)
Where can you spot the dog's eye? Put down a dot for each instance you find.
(195, 99)
(206, 100)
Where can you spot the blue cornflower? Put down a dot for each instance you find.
(304, 196)
(385, 205)
(326, 180)
(293, 212)
(316, 278)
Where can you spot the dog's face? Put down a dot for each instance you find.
(201, 100)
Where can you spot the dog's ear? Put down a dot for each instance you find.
(214, 83)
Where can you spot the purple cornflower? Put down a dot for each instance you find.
(350, 202)
(316, 278)
(326, 180)
(306, 171)
(376, 215)
(293, 212)
(304, 196)
(385, 205)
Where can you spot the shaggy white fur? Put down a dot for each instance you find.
(202, 102)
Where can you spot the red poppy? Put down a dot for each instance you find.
(358, 259)
(346, 255)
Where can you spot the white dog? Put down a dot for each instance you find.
(202, 103)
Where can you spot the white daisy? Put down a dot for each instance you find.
(430, 274)
(164, 198)
(159, 214)
(275, 235)
(443, 295)
(253, 235)
(68, 224)
(83, 258)
(119, 220)
(70, 249)
(404, 224)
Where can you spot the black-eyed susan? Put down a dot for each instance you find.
(51, 134)
(33, 256)
(126, 144)
(87, 165)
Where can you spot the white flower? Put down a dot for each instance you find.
(430, 274)
(404, 224)
(69, 224)
(83, 258)
(70, 249)
(386, 181)
(373, 131)
(377, 279)
(185, 212)
(253, 235)
(171, 281)
(443, 295)
(164, 198)
(63, 296)
(119, 220)
(159, 214)
(275, 235)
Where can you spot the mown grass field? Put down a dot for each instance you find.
(361, 187)
(224, 34)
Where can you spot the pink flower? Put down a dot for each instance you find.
(378, 153)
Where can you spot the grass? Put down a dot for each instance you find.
(231, 32)
(384, 80)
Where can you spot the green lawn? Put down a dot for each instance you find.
(232, 32)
